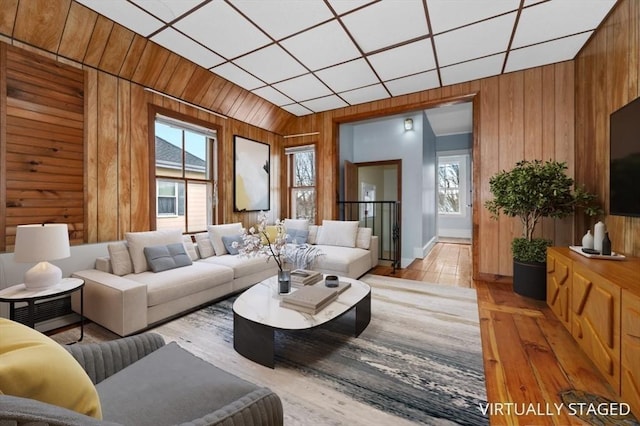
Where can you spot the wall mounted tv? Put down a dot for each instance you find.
(624, 172)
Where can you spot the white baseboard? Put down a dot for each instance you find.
(455, 233)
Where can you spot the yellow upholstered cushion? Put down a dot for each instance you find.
(272, 233)
(34, 366)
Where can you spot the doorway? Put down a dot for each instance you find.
(454, 195)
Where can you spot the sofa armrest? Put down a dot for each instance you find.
(260, 407)
(16, 411)
(101, 360)
(114, 302)
(373, 248)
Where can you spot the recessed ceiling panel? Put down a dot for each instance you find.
(348, 76)
(546, 21)
(271, 64)
(387, 23)
(303, 88)
(238, 76)
(126, 14)
(281, 18)
(272, 95)
(446, 14)
(223, 30)
(322, 46)
(472, 70)
(414, 83)
(475, 41)
(325, 104)
(185, 47)
(167, 10)
(409, 59)
(564, 49)
(365, 94)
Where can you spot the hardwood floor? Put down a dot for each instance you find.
(529, 357)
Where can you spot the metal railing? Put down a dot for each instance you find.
(383, 217)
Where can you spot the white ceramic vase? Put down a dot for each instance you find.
(587, 240)
(598, 235)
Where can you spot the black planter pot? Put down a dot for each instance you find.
(530, 279)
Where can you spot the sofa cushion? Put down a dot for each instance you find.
(171, 256)
(313, 234)
(137, 241)
(363, 238)
(120, 258)
(290, 224)
(217, 231)
(243, 265)
(270, 232)
(173, 284)
(34, 366)
(190, 247)
(203, 388)
(204, 245)
(338, 233)
(228, 241)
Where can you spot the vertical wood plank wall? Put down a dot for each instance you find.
(607, 77)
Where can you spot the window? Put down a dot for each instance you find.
(449, 180)
(302, 182)
(184, 175)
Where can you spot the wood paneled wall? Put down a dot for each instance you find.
(607, 77)
(521, 115)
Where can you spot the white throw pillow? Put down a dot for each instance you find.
(204, 245)
(216, 232)
(363, 238)
(137, 241)
(190, 247)
(338, 233)
(296, 224)
(120, 259)
(313, 234)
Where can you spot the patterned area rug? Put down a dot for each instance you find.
(418, 362)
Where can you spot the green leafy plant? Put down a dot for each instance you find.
(533, 190)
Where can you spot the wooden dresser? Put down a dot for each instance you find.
(598, 301)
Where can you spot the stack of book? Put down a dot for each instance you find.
(310, 299)
(303, 277)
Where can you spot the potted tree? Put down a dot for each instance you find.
(530, 191)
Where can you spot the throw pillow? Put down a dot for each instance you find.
(137, 241)
(297, 236)
(217, 231)
(290, 224)
(313, 234)
(204, 245)
(338, 233)
(190, 247)
(34, 366)
(171, 256)
(272, 234)
(120, 259)
(228, 241)
(363, 238)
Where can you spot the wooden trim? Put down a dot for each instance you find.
(3, 144)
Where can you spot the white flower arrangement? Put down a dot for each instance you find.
(252, 241)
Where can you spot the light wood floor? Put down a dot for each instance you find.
(529, 357)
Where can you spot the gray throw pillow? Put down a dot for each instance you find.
(228, 241)
(297, 236)
(162, 258)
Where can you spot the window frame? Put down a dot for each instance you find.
(461, 161)
(290, 153)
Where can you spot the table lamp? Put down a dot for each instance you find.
(40, 243)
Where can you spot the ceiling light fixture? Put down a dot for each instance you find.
(408, 124)
(173, 98)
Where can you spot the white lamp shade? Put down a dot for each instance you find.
(36, 243)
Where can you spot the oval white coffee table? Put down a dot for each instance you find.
(257, 315)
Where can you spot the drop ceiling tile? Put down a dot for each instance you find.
(322, 46)
(365, 94)
(297, 109)
(413, 83)
(281, 18)
(325, 104)
(167, 10)
(125, 14)
(303, 88)
(272, 95)
(238, 76)
(446, 14)
(546, 21)
(481, 39)
(348, 76)
(472, 70)
(409, 59)
(271, 64)
(342, 6)
(387, 23)
(223, 30)
(183, 46)
(564, 49)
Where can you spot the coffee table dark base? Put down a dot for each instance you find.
(255, 341)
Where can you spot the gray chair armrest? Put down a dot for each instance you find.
(260, 407)
(101, 360)
(16, 411)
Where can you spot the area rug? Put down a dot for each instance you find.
(418, 362)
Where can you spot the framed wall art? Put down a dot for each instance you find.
(251, 175)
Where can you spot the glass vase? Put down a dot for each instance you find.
(284, 281)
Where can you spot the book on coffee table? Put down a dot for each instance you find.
(303, 277)
(310, 299)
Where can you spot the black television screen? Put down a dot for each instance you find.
(624, 172)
